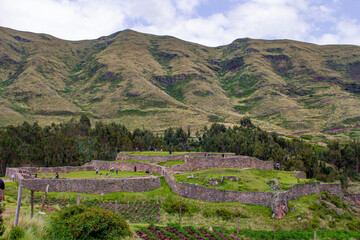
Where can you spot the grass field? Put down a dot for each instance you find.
(170, 163)
(249, 179)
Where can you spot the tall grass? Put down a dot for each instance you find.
(35, 228)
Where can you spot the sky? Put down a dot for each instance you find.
(208, 22)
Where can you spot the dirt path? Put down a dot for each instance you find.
(326, 131)
(339, 129)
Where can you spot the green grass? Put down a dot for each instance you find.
(170, 163)
(249, 179)
(131, 160)
(92, 174)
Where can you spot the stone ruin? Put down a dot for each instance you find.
(276, 201)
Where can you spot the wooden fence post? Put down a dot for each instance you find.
(18, 204)
(78, 199)
(180, 215)
(43, 203)
(237, 228)
(315, 235)
(32, 203)
(275, 229)
(116, 206)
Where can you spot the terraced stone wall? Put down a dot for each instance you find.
(122, 156)
(126, 166)
(32, 170)
(94, 186)
(192, 163)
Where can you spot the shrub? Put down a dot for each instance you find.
(225, 214)
(172, 205)
(315, 222)
(353, 225)
(80, 222)
(16, 233)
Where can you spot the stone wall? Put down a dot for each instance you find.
(33, 170)
(126, 166)
(192, 163)
(266, 199)
(355, 198)
(94, 186)
(124, 156)
(192, 191)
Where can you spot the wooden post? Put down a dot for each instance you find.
(32, 203)
(180, 215)
(43, 203)
(116, 206)
(237, 228)
(315, 235)
(275, 229)
(78, 199)
(18, 204)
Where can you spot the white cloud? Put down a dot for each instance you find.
(65, 19)
(304, 20)
(187, 6)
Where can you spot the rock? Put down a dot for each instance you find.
(213, 182)
(274, 184)
(280, 211)
(300, 174)
(230, 178)
(293, 209)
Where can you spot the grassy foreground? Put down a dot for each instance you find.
(315, 212)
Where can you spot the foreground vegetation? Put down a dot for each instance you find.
(328, 215)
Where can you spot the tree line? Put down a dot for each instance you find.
(76, 142)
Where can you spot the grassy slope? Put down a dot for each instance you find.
(136, 78)
(249, 179)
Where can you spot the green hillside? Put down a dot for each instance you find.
(160, 81)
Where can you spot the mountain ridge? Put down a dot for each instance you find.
(161, 81)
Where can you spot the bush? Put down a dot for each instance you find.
(80, 222)
(315, 222)
(225, 214)
(16, 233)
(353, 225)
(172, 205)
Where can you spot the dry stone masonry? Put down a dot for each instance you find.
(94, 186)
(276, 200)
(206, 162)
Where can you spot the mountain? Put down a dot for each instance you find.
(160, 81)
